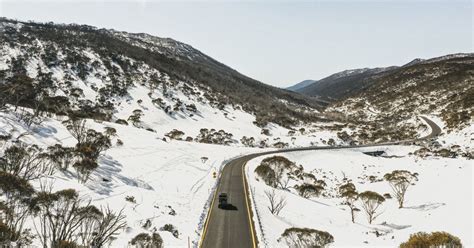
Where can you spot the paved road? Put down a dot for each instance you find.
(232, 227)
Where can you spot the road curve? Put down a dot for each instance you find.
(232, 227)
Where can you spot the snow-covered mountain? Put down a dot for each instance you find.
(128, 129)
(116, 139)
(98, 66)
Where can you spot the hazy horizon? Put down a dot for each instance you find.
(281, 43)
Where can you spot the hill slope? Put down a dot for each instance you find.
(442, 86)
(121, 58)
(342, 84)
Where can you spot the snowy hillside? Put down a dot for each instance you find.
(166, 183)
(98, 67)
(440, 200)
(127, 139)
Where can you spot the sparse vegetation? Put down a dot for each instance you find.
(63, 216)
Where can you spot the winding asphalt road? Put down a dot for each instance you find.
(232, 227)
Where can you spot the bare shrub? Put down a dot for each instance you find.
(63, 216)
(108, 225)
(276, 203)
(77, 128)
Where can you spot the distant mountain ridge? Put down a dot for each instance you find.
(341, 84)
(441, 86)
(351, 82)
(301, 84)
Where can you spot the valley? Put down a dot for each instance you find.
(132, 136)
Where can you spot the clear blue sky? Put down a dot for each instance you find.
(281, 42)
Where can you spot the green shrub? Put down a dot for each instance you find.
(432, 240)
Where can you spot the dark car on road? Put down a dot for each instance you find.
(223, 200)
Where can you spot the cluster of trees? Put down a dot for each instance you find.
(278, 171)
(39, 95)
(211, 136)
(275, 171)
(60, 218)
(247, 141)
(399, 180)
